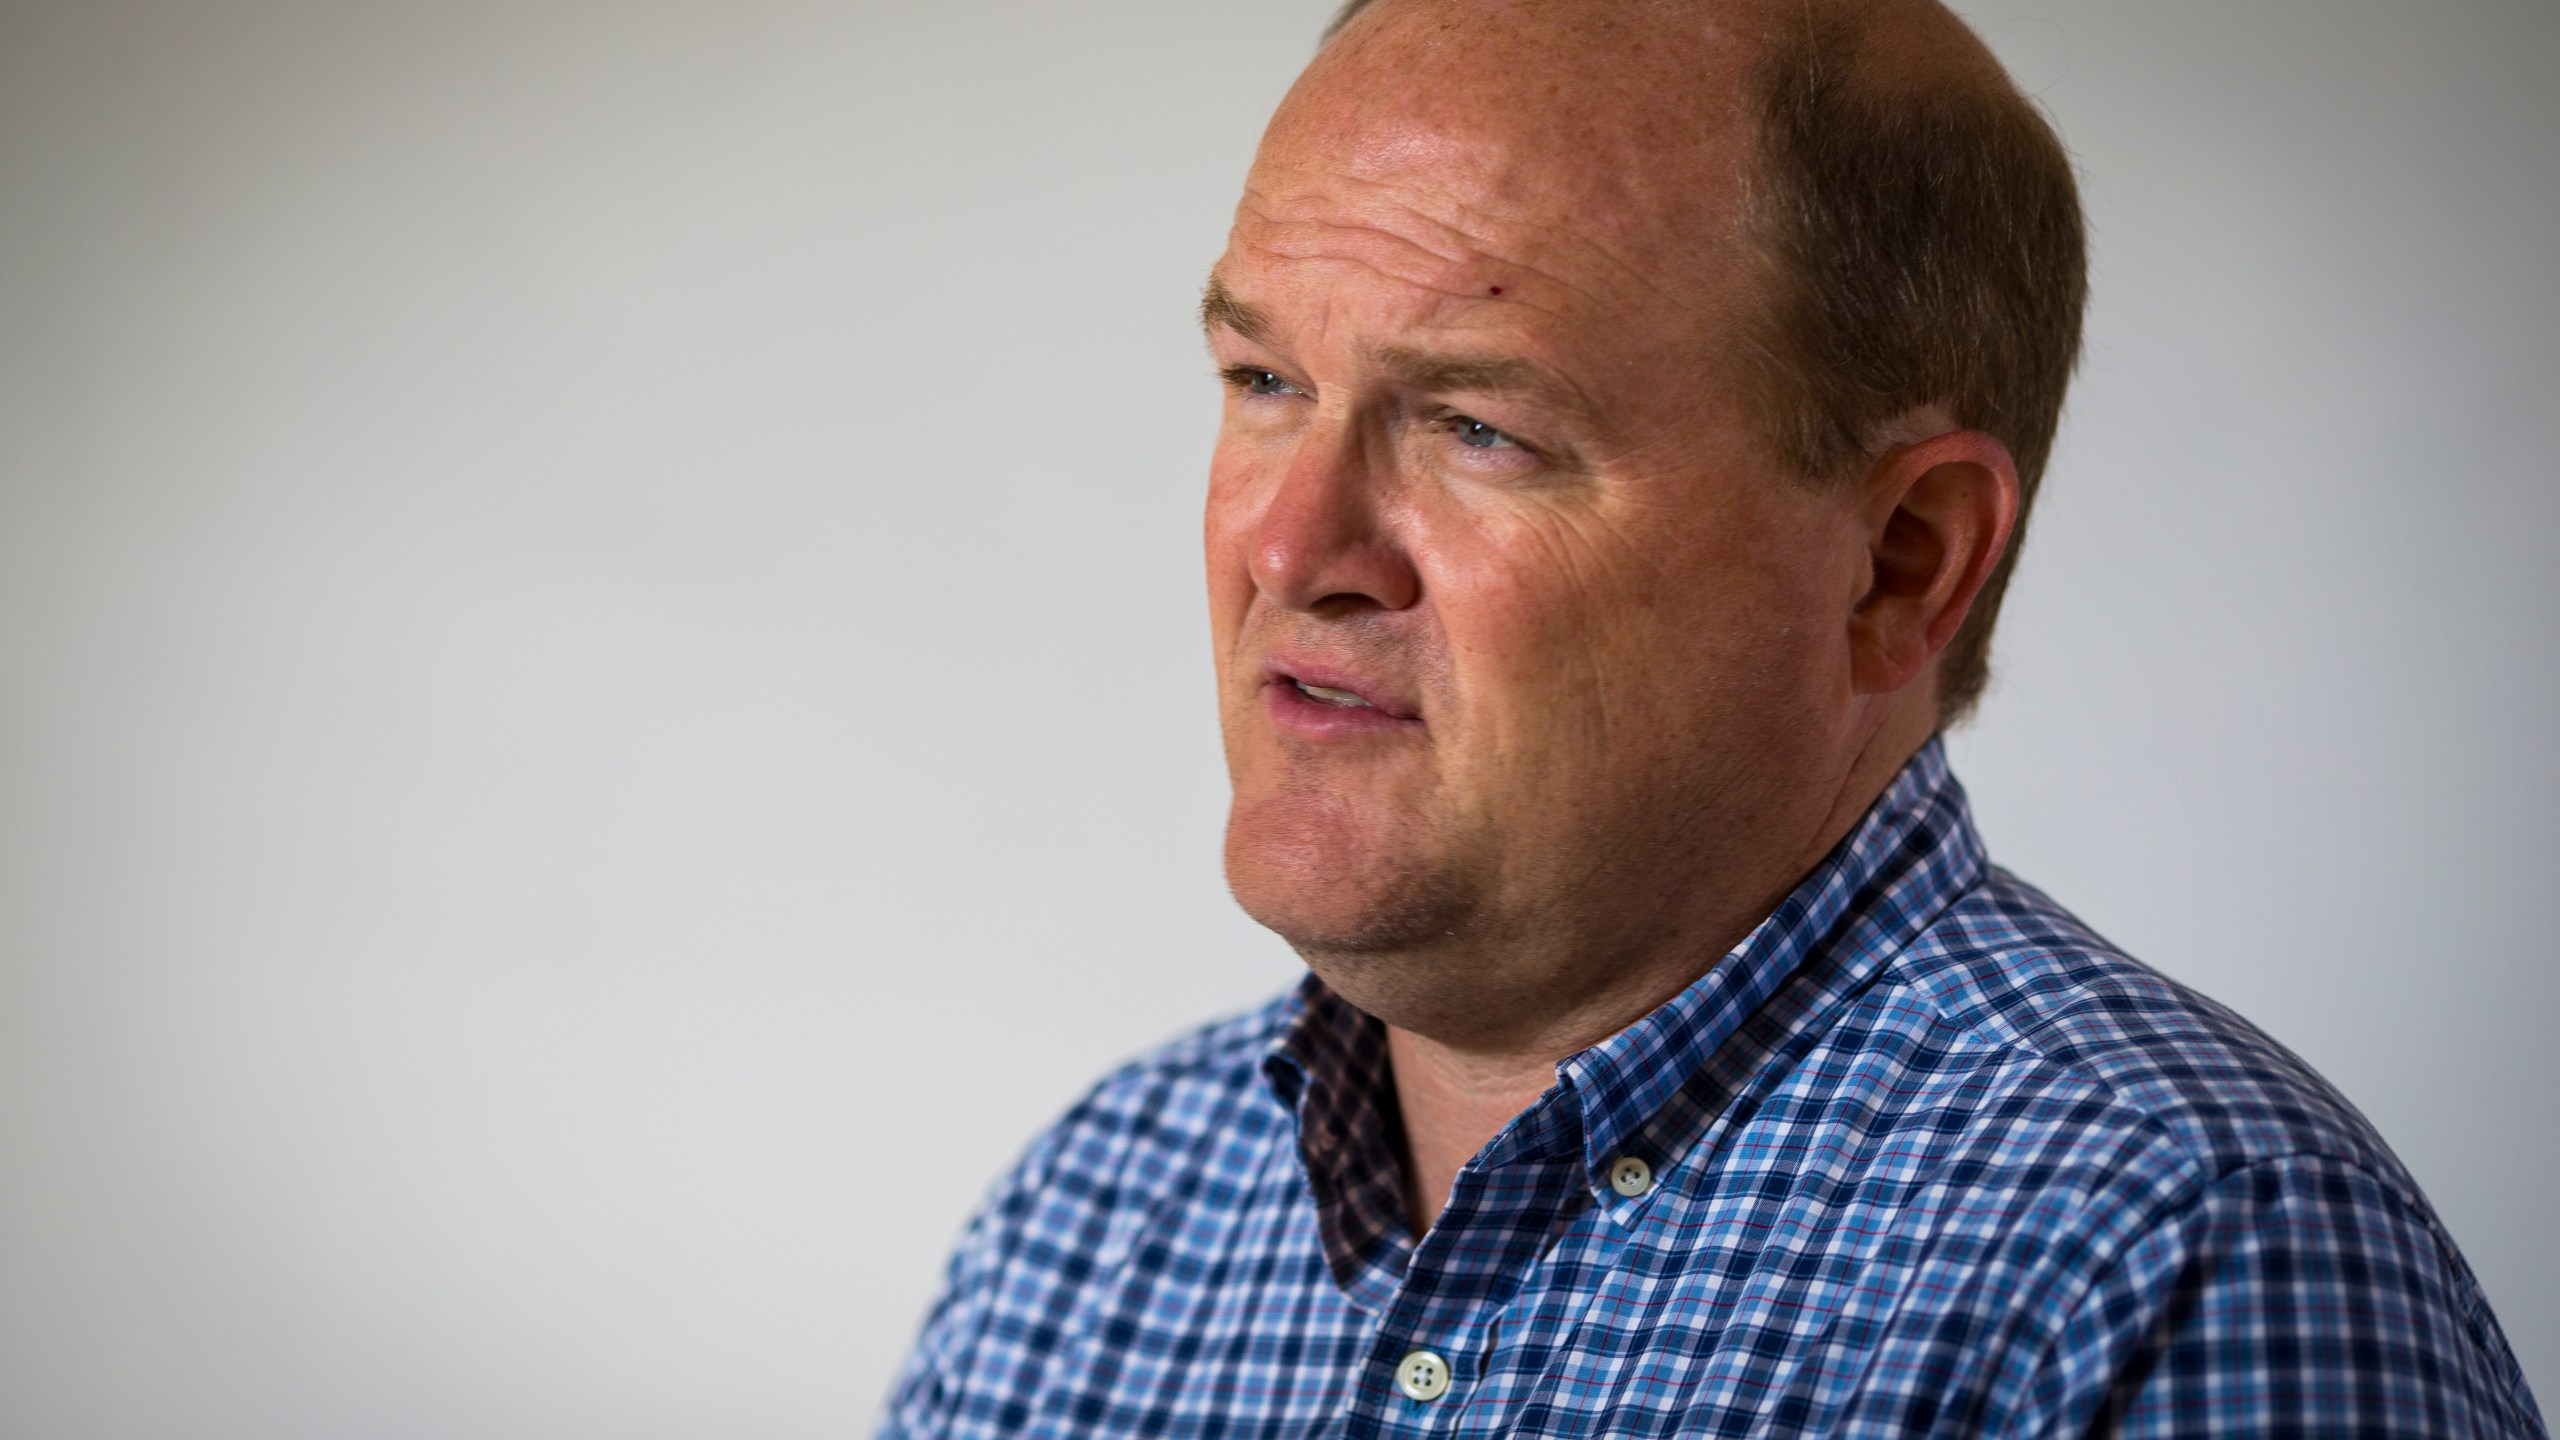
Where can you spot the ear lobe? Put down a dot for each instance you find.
(1940, 514)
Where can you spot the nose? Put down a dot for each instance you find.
(1324, 544)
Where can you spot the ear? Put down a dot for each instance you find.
(1938, 512)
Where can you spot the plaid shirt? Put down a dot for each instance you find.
(1923, 1155)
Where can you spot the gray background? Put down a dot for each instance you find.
(603, 701)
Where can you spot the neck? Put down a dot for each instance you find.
(1455, 1097)
(1453, 1102)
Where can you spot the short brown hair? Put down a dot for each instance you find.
(1927, 249)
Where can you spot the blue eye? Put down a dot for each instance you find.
(1264, 382)
(1475, 434)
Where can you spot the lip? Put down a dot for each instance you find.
(1296, 712)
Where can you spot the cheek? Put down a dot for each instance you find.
(1226, 538)
(1533, 613)
(1606, 635)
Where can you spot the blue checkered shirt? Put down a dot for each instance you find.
(1926, 1157)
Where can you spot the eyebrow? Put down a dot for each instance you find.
(1220, 309)
(1446, 374)
(1415, 369)
(1496, 374)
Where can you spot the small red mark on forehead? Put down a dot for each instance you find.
(1493, 290)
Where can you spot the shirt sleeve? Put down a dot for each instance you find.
(2295, 1297)
(920, 1402)
(928, 1401)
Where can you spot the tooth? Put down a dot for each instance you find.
(1330, 696)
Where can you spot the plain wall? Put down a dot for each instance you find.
(604, 703)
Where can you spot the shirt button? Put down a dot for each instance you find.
(1423, 1375)
(1630, 1177)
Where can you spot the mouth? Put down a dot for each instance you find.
(1327, 695)
(1323, 703)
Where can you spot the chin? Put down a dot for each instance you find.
(1335, 894)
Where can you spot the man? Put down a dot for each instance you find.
(1633, 405)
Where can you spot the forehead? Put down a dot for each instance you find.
(1588, 163)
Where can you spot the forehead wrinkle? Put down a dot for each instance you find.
(1446, 280)
(1446, 277)
(1448, 286)
(1292, 228)
(1463, 239)
(1269, 328)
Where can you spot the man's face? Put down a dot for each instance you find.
(1521, 630)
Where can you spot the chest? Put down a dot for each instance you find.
(1732, 1303)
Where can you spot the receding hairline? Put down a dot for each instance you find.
(1341, 17)
(1920, 225)
(1910, 42)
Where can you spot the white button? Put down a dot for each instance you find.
(1630, 1177)
(1423, 1375)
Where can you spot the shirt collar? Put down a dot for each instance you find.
(1905, 862)
(1911, 855)
(1328, 1068)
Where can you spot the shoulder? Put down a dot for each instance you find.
(1189, 1087)
(2176, 1164)
(1198, 1103)
(1153, 1116)
(2055, 1008)
(1076, 1203)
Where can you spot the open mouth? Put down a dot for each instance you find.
(1327, 695)
(1320, 701)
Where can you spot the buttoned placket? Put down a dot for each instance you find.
(1583, 1168)
(1588, 1147)
(1435, 1338)
(1437, 1304)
